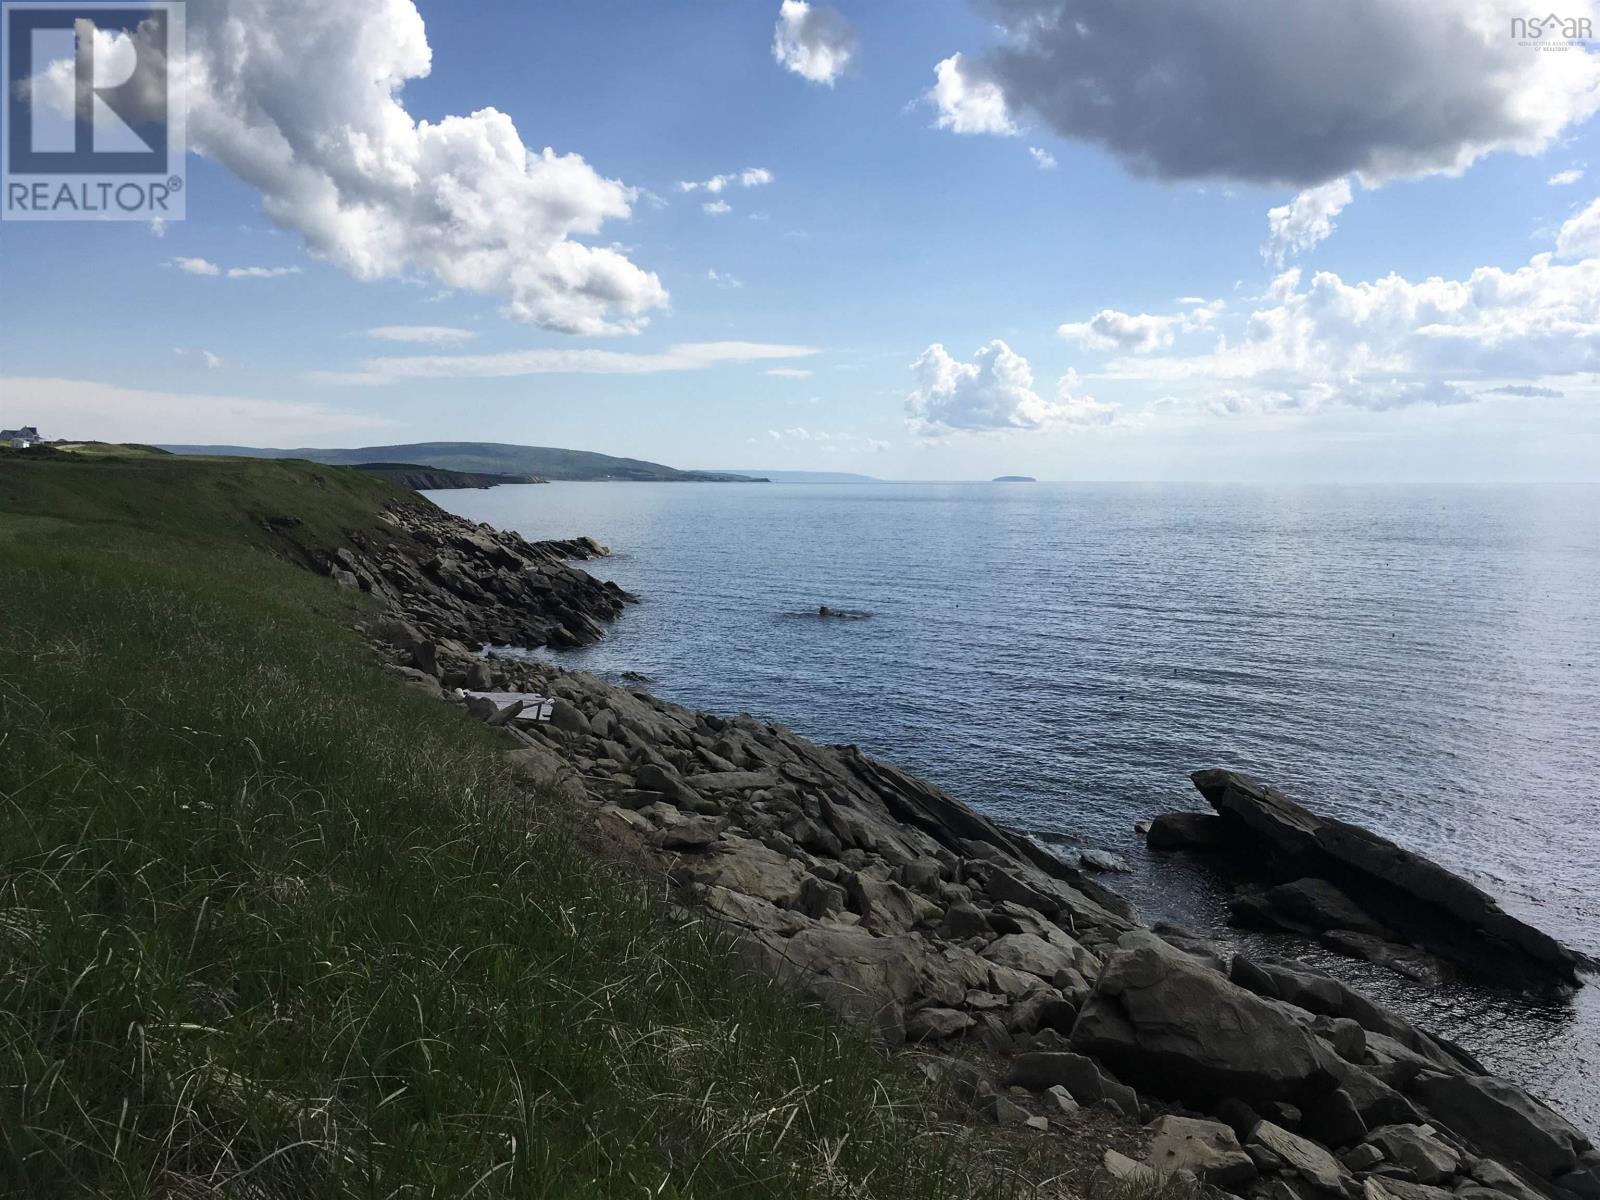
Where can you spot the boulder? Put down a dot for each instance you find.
(1120, 1169)
(1177, 1029)
(1030, 953)
(1504, 1180)
(1039, 1071)
(1415, 1147)
(1583, 1183)
(1186, 831)
(1502, 1120)
(1205, 1148)
(1317, 904)
(744, 866)
(936, 1024)
(1104, 860)
(1334, 1119)
(962, 920)
(1376, 1187)
(1305, 1157)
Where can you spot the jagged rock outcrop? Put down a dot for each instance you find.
(470, 584)
(921, 921)
(1359, 893)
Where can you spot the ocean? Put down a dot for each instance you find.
(1421, 660)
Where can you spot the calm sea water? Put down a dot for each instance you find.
(1424, 661)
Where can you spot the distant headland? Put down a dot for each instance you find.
(487, 458)
(1014, 479)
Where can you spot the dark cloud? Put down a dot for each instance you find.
(1276, 92)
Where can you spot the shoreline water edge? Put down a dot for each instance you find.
(1020, 979)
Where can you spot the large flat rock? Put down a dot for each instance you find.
(1432, 906)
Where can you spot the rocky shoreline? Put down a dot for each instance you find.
(1027, 985)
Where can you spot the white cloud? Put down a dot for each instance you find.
(1076, 409)
(433, 335)
(1273, 93)
(1304, 221)
(1392, 342)
(212, 361)
(197, 266)
(748, 178)
(968, 102)
(789, 372)
(261, 272)
(81, 408)
(813, 41)
(1139, 333)
(301, 100)
(992, 392)
(722, 280)
(1579, 236)
(716, 207)
(689, 356)
(1566, 178)
(1043, 158)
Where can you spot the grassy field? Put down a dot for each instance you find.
(272, 925)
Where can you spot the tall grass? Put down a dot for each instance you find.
(273, 926)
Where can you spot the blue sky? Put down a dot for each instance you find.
(880, 237)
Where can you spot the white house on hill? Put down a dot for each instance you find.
(20, 439)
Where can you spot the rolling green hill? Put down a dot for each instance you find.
(495, 458)
(274, 925)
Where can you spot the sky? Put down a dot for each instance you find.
(1074, 239)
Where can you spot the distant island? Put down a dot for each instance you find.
(1014, 479)
(487, 458)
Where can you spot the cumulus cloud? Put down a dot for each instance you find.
(301, 100)
(723, 280)
(1393, 342)
(814, 41)
(716, 207)
(1043, 158)
(1274, 93)
(1566, 178)
(1306, 220)
(967, 100)
(197, 266)
(688, 356)
(1076, 409)
(432, 335)
(1579, 236)
(991, 393)
(1139, 333)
